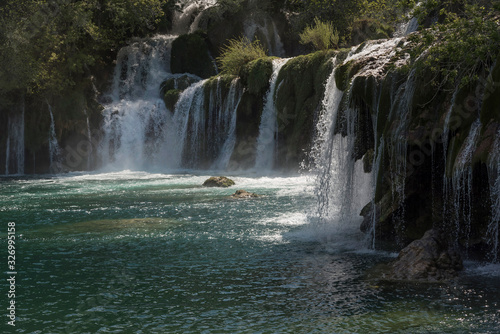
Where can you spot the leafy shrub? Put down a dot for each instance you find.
(321, 35)
(237, 53)
(457, 50)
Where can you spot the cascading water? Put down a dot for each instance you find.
(141, 133)
(462, 183)
(266, 141)
(494, 178)
(202, 135)
(14, 150)
(228, 118)
(269, 32)
(187, 19)
(89, 137)
(401, 114)
(54, 150)
(445, 140)
(379, 151)
(339, 178)
(134, 120)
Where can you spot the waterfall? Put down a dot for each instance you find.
(54, 150)
(7, 155)
(462, 183)
(229, 116)
(187, 129)
(141, 133)
(407, 27)
(269, 32)
(187, 20)
(494, 178)
(400, 114)
(203, 135)
(377, 160)
(339, 178)
(135, 117)
(14, 150)
(89, 137)
(266, 141)
(445, 140)
(322, 150)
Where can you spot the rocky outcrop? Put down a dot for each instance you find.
(190, 55)
(243, 194)
(429, 259)
(218, 181)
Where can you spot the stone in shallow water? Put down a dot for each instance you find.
(244, 194)
(218, 181)
(429, 259)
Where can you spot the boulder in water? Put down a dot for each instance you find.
(429, 259)
(244, 194)
(218, 181)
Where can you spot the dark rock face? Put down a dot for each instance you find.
(190, 55)
(242, 194)
(429, 259)
(218, 181)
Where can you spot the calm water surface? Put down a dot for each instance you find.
(135, 252)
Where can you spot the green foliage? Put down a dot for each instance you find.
(322, 35)
(239, 52)
(460, 48)
(341, 13)
(49, 45)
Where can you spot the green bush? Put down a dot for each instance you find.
(237, 53)
(321, 35)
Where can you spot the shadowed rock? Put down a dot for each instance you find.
(429, 259)
(244, 194)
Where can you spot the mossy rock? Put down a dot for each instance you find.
(256, 74)
(218, 181)
(301, 87)
(190, 54)
(368, 161)
(345, 72)
(171, 97)
(248, 115)
(179, 82)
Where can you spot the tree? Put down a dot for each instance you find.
(48, 45)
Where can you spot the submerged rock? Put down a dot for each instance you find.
(429, 259)
(244, 194)
(218, 181)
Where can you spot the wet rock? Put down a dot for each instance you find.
(244, 194)
(218, 181)
(429, 259)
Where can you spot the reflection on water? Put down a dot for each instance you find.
(154, 253)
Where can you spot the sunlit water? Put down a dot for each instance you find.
(134, 252)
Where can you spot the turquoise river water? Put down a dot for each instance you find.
(136, 252)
